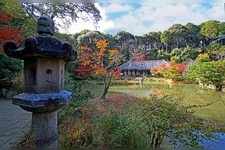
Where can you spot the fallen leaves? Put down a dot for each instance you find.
(116, 101)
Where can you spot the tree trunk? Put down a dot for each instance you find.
(107, 82)
(105, 91)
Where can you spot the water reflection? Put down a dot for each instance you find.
(219, 142)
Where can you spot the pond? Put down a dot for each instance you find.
(219, 142)
(211, 104)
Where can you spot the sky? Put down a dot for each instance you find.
(141, 18)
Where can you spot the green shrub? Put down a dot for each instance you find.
(9, 68)
(79, 98)
(212, 72)
(74, 131)
(17, 85)
(163, 117)
(148, 123)
(115, 130)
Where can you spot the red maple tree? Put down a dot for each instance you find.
(159, 69)
(83, 71)
(7, 32)
(162, 68)
(102, 60)
(181, 66)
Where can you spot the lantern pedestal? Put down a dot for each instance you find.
(44, 108)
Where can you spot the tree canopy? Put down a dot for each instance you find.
(26, 14)
(66, 12)
(210, 28)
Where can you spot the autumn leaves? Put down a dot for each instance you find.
(100, 59)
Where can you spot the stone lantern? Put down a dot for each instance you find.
(44, 94)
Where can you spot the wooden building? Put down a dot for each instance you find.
(139, 68)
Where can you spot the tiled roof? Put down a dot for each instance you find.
(141, 65)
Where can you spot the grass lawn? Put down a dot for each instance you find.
(96, 87)
(204, 102)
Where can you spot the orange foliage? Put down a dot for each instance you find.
(85, 48)
(180, 66)
(95, 58)
(86, 62)
(203, 55)
(100, 71)
(159, 69)
(113, 53)
(101, 44)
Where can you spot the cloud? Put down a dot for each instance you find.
(142, 18)
(80, 25)
(159, 17)
(117, 8)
